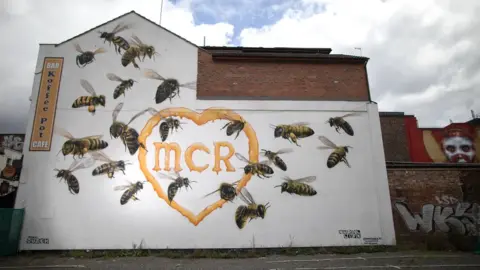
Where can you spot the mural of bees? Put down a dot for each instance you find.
(118, 41)
(80, 146)
(122, 87)
(293, 132)
(227, 191)
(110, 167)
(168, 125)
(178, 182)
(67, 174)
(130, 192)
(340, 123)
(234, 126)
(91, 101)
(250, 211)
(298, 186)
(261, 169)
(136, 50)
(86, 57)
(128, 135)
(275, 159)
(169, 88)
(339, 152)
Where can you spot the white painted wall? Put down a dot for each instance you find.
(347, 199)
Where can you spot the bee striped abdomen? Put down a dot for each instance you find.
(129, 55)
(301, 189)
(120, 89)
(347, 128)
(265, 168)
(172, 190)
(96, 144)
(243, 213)
(130, 139)
(334, 158)
(280, 163)
(73, 185)
(164, 130)
(302, 131)
(121, 42)
(82, 101)
(101, 169)
(127, 195)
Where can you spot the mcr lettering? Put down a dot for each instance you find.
(168, 147)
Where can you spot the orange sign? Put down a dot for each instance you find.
(42, 130)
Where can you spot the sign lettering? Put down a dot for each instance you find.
(42, 129)
(169, 147)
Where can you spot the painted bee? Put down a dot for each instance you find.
(298, 186)
(227, 191)
(169, 124)
(293, 132)
(340, 123)
(110, 167)
(177, 183)
(169, 88)
(130, 191)
(80, 146)
(250, 211)
(275, 159)
(137, 49)
(339, 153)
(86, 57)
(234, 125)
(118, 41)
(70, 179)
(261, 169)
(91, 101)
(122, 87)
(128, 135)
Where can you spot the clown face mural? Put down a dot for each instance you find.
(458, 144)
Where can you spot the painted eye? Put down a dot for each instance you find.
(466, 148)
(451, 148)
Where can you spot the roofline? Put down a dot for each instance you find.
(228, 56)
(269, 49)
(119, 17)
(391, 114)
(431, 165)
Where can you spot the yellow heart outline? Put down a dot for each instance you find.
(202, 118)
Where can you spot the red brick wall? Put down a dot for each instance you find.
(440, 188)
(317, 81)
(394, 136)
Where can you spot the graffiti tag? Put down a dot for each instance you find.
(459, 219)
(348, 234)
(445, 199)
(13, 142)
(37, 240)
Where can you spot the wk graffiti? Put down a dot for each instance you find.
(459, 219)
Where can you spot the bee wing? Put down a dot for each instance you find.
(88, 87)
(300, 124)
(137, 115)
(265, 162)
(95, 137)
(247, 196)
(113, 77)
(208, 194)
(167, 176)
(324, 147)
(122, 187)
(99, 50)
(151, 110)
(327, 142)
(119, 28)
(284, 151)
(350, 114)
(137, 40)
(307, 179)
(74, 164)
(190, 85)
(242, 158)
(101, 156)
(85, 163)
(62, 132)
(116, 111)
(287, 178)
(152, 74)
(78, 48)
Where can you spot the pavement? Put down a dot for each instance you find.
(396, 260)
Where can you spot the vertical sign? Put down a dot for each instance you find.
(42, 130)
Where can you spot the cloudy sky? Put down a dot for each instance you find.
(424, 55)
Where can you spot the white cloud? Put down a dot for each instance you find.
(26, 23)
(423, 58)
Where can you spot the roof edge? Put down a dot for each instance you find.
(279, 56)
